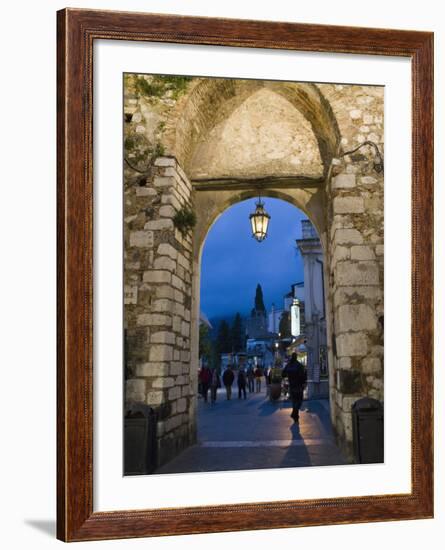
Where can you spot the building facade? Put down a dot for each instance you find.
(311, 252)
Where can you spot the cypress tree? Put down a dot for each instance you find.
(259, 301)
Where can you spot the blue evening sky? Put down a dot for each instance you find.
(233, 262)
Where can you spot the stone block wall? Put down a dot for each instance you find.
(355, 203)
(157, 278)
(356, 289)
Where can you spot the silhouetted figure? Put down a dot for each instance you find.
(214, 385)
(241, 381)
(250, 379)
(258, 376)
(228, 378)
(297, 377)
(205, 376)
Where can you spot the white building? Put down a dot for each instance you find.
(273, 320)
(314, 311)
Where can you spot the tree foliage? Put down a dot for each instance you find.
(285, 325)
(223, 340)
(259, 301)
(205, 343)
(237, 334)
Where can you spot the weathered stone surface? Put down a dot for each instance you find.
(145, 192)
(135, 390)
(175, 368)
(165, 161)
(173, 423)
(185, 356)
(157, 276)
(348, 402)
(350, 382)
(185, 329)
(167, 211)
(163, 382)
(130, 294)
(352, 344)
(177, 323)
(154, 398)
(157, 225)
(177, 283)
(142, 239)
(348, 236)
(371, 365)
(340, 253)
(152, 319)
(167, 250)
(162, 181)
(344, 363)
(357, 273)
(164, 262)
(182, 405)
(357, 294)
(348, 205)
(161, 353)
(163, 337)
(368, 180)
(183, 261)
(344, 181)
(163, 305)
(174, 393)
(347, 425)
(356, 317)
(165, 292)
(379, 249)
(362, 253)
(147, 370)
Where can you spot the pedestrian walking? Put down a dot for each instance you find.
(267, 378)
(250, 379)
(241, 381)
(258, 376)
(296, 374)
(205, 377)
(214, 385)
(228, 378)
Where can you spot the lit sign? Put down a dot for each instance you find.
(295, 318)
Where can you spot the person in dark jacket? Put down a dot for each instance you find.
(241, 381)
(228, 378)
(250, 379)
(215, 383)
(258, 376)
(205, 376)
(297, 377)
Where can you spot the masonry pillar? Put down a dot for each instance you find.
(356, 289)
(158, 288)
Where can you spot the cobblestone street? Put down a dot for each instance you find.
(256, 433)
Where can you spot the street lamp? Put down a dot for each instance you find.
(259, 221)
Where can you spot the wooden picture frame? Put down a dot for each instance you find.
(77, 31)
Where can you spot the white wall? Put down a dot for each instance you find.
(28, 253)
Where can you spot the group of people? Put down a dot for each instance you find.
(294, 372)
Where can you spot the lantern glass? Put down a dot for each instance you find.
(260, 222)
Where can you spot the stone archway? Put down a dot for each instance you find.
(200, 169)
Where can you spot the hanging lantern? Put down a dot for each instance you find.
(259, 221)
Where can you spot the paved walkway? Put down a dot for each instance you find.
(257, 433)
